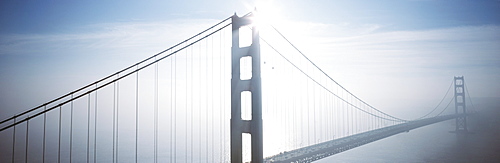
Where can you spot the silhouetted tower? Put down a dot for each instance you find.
(461, 121)
(252, 126)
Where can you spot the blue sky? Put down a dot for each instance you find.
(48, 48)
(56, 16)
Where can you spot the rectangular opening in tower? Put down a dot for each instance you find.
(245, 34)
(245, 68)
(460, 99)
(246, 105)
(247, 147)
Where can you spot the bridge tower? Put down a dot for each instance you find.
(240, 126)
(461, 121)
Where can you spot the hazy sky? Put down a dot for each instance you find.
(380, 50)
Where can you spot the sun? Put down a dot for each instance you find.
(264, 12)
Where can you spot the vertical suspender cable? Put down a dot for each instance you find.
(362, 123)
(344, 119)
(200, 100)
(380, 121)
(206, 120)
(192, 106)
(301, 115)
(136, 110)
(308, 117)
(356, 115)
(44, 133)
(339, 115)
(224, 101)
(117, 116)
(468, 95)
(213, 81)
(286, 121)
(221, 117)
(175, 108)
(222, 44)
(14, 142)
(340, 105)
(290, 104)
(186, 108)
(88, 129)
(366, 120)
(156, 114)
(375, 120)
(314, 113)
(71, 131)
(334, 114)
(363, 119)
(330, 114)
(59, 138)
(371, 121)
(27, 141)
(326, 115)
(95, 125)
(171, 107)
(349, 115)
(114, 120)
(324, 110)
(320, 114)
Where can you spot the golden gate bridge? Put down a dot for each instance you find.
(213, 98)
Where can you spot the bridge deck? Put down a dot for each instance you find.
(325, 149)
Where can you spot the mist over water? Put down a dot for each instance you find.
(435, 143)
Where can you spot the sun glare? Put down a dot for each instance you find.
(265, 12)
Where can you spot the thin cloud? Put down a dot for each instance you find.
(128, 35)
(424, 59)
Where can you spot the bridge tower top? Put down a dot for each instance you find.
(461, 122)
(240, 126)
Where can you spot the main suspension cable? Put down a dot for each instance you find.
(449, 88)
(315, 81)
(467, 90)
(331, 77)
(444, 108)
(106, 84)
(123, 70)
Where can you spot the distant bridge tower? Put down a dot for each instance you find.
(461, 122)
(252, 126)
